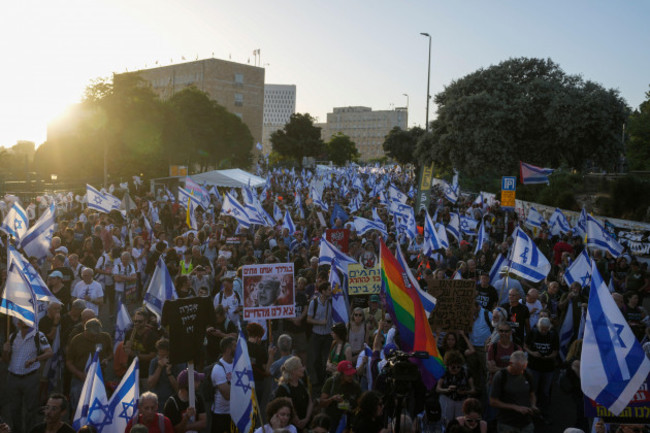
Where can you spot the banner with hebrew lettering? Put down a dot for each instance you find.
(268, 291)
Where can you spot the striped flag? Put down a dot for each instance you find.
(531, 174)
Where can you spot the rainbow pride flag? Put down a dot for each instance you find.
(404, 306)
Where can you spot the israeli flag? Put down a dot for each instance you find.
(215, 192)
(288, 223)
(38, 239)
(581, 226)
(198, 191)
(580, 270)
(454, 226)
(122, 324)
(330, 254)
(93, 403)
(406, 224)
(31, 275)
(123, 404)
(450, 192)
(442, 235)
(363, 225)
(526, 260)
(531, 174)
(479, 199)
(18, 299)
(613, 366)
(160, 289)
(598, 237)
(482, 238)
(185, 195)
(398, 208)
(242, 388)
(428, 301)
(468, 225)
(339, 303)
(566, 331)
(16, 222)
(233, 208)
(396, 195)
(558, 223)
(534, 218)
(498, 264)
(97, 201)
(432, 242)
(277, 213)
(375, 215)
(114, 202)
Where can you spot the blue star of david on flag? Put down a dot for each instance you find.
(241, 394)
(241, 375)
(128, 407)
(18, 224)
(100, 415)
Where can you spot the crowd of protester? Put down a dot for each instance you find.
(309, 372)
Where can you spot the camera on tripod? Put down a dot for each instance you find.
(401, 373)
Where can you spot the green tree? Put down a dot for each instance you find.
(401, 144)
(638, 128)
(299, 138)
(524, 109)
(340, 149)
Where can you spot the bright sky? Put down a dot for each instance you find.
(337, 52)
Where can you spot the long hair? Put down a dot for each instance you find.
(289, 366)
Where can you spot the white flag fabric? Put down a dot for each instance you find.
(93, 400)
(482, 238)
(613, 365)
(396, 195)
(31, 275)
(288, 223)
(468, 225)
(184, 195)
(97, 201)
(432, 241)
(339, 303)
(442, 235)
(38, 239)
(122, 325)
(363, 225)
(161, 289)
(534, 219)
(242, 388)
(598, 237)
(498, 264)
(330, 254)
(454, 226)
(18, 299)
(234, 209)
(277, 212)
(124, 402)
(580, 270)
(16, 222)
(526, 260)
(558, 223)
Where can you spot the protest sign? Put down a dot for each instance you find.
(362, 281)
(454, 301)
(268, 291)
(187, 319)
(338, 237)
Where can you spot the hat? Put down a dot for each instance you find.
(93, 325)
(183, 379)
(374, 298)
(389, 348)
(56, 274)
(346, 367)
(61, 249)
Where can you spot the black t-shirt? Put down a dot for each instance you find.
(487, 296)
(365, 424)
(299, 397)
(175, 407)
(40, 428)
(516, 390)
(301, 304)
(259, 357)
(213, 349)
(68, 277)
(187, 319)
(518, 317)
(545, 345)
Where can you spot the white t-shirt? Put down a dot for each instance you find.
(230, 303)
(534, 317)
(94, 290)
(127, 271)
(219, 376)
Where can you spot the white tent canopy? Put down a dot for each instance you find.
(234, 178)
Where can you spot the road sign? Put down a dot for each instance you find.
(508, 183)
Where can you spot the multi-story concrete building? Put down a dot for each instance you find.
(279, 105)
(237, 87)
(367, 128)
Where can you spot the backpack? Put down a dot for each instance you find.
(159, 416)
(207, 388)
(504, 379)
(37, 341)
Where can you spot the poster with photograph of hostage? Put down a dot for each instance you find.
(268, 291)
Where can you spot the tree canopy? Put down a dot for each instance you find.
(299, 138)
(638, 129)
(142, 133)
(341, 149)
(524, 109)
(401, 144)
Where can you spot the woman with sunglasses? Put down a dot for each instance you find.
(340, 349)
(357, 332)
(471, 417)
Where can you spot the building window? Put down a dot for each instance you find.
(239, 99)
(239, 79)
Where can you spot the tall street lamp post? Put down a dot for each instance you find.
(428, 80)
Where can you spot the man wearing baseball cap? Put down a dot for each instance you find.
(340, 392)
(177, 408)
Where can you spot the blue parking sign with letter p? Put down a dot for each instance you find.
(508, 183)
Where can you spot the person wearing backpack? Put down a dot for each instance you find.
(319, 315)
(23, 354)
(514, 397)
(220, 377)
(148, 415)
